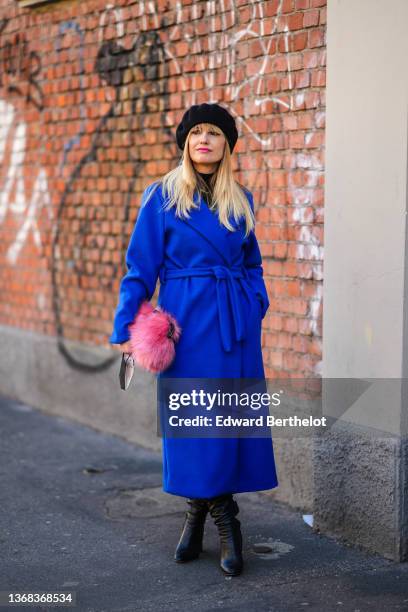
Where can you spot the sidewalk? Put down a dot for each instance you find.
(84, 511)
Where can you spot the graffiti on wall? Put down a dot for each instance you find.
(140, 73)
(139, 68)
(13, 196)
(20, 67)
(64, 28)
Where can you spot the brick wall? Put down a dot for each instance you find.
(90, 95)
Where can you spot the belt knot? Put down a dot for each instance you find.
(229, 303)
(221, 272)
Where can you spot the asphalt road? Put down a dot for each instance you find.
(83, 511)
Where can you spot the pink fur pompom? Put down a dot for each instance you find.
(153, 335)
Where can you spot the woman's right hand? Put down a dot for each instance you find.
(123, 348)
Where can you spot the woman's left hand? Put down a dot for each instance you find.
(123, 348)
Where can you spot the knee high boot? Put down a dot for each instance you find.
(191, 540)
(223, 510)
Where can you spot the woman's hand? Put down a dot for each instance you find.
(123, 348)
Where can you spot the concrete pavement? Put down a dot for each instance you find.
(84, 511)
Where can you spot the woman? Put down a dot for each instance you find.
(195, 231)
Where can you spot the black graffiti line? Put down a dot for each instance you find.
(24, 65)
(106, 66)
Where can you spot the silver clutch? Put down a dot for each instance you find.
(127, 368)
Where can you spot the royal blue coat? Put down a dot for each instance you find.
(211, 280)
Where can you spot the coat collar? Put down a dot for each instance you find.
(207, 224)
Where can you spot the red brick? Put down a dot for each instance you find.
(108, 165)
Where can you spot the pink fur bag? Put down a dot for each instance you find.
(153, 335)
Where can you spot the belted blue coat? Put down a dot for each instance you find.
(211, 280)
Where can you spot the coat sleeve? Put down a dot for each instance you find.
(253, 264)
(144, 257)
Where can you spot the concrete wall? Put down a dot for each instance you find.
(360, 465)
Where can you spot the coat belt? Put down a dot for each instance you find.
(228, 276)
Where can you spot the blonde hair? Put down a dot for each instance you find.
(228, 196)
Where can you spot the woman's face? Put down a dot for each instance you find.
(206, 147)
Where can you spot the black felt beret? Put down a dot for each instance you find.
(207, 113)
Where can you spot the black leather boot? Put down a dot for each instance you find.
(223, 510)
(191, 540)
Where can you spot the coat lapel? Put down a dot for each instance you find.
(206, 223)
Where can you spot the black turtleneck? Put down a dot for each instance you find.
(206, 176)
